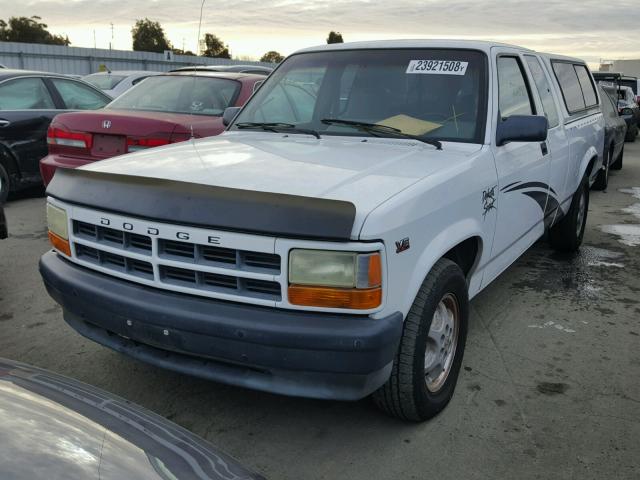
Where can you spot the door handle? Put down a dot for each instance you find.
(543, 147)
(4, 123)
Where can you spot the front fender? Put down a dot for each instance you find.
(446, 239)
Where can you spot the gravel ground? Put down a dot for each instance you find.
(549, 388)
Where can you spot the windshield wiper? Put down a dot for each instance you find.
(374, 128)
(278, 127)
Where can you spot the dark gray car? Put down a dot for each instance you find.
(52, 427)
(28, 103)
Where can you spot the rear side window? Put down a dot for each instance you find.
(25, 94)
(570, 86)
(577, 88)
(514, 97)
(77, 96)
(588, 90)
(544, 90)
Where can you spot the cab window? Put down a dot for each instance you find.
(25, 94)
(544, 90)
(514, 96)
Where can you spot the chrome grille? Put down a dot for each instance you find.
(200, 269)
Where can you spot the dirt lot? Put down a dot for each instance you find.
(550, 386)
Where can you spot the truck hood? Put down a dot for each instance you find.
(363, 171)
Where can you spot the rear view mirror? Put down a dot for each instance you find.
(229, 114)
(521, 128)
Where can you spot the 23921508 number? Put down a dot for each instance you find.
(439, 67)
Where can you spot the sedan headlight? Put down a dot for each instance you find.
(58, 229)
(334, 279)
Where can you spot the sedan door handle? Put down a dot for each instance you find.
(4, 123)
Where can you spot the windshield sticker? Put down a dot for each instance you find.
(437, 67)
(410, 125)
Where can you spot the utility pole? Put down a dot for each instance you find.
(111, 42)
(94, 39)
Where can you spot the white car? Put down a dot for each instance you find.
(328, 243)
(116, 83)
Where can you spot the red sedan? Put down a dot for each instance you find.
(160, 110)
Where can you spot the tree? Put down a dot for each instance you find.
(272, 57)
(334, 37)
(148, 36)
(29, 30)
(177, 51)
(215, 47)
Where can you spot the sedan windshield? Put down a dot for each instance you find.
(180, 94)
(437, 94)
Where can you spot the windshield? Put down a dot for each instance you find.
(429, 93)
(180, 94)
(104, 81)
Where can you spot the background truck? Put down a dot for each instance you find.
(327, 244)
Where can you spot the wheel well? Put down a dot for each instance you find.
(592, 163)
(465, 254)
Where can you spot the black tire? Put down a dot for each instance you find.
(567, 234)
(617, 165)
(632, 133)
(602, 180)
(5, 184)
(405, 395)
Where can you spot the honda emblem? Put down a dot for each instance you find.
(106, 124)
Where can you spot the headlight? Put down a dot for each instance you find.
(58, 229)
(323, 278)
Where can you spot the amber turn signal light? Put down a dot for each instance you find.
(60, 244)
(352, 298)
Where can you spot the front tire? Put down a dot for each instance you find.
(602, 180)
(427, 364)
(567, 234)
(617, 165)
(5, 184)
(632, 133)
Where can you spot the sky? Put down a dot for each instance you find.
(589, 29)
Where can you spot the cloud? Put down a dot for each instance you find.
(590, 28)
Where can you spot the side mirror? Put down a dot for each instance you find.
(257, 85)
(229, 114)
(521, 128)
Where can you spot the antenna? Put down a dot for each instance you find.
(195, 73)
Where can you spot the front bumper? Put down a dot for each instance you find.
(308, 354)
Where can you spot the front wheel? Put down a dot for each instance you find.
(567, 234)
(427, 364)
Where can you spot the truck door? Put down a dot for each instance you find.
(522, 169)
(557, 144)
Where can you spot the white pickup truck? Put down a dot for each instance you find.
(328, 243)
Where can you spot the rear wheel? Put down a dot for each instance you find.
(632, 133)
(5, 184)
(427, 364)
(567, 234)
(602, 180)
(617, 165)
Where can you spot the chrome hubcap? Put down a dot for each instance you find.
(581, 212)
(441, 342)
